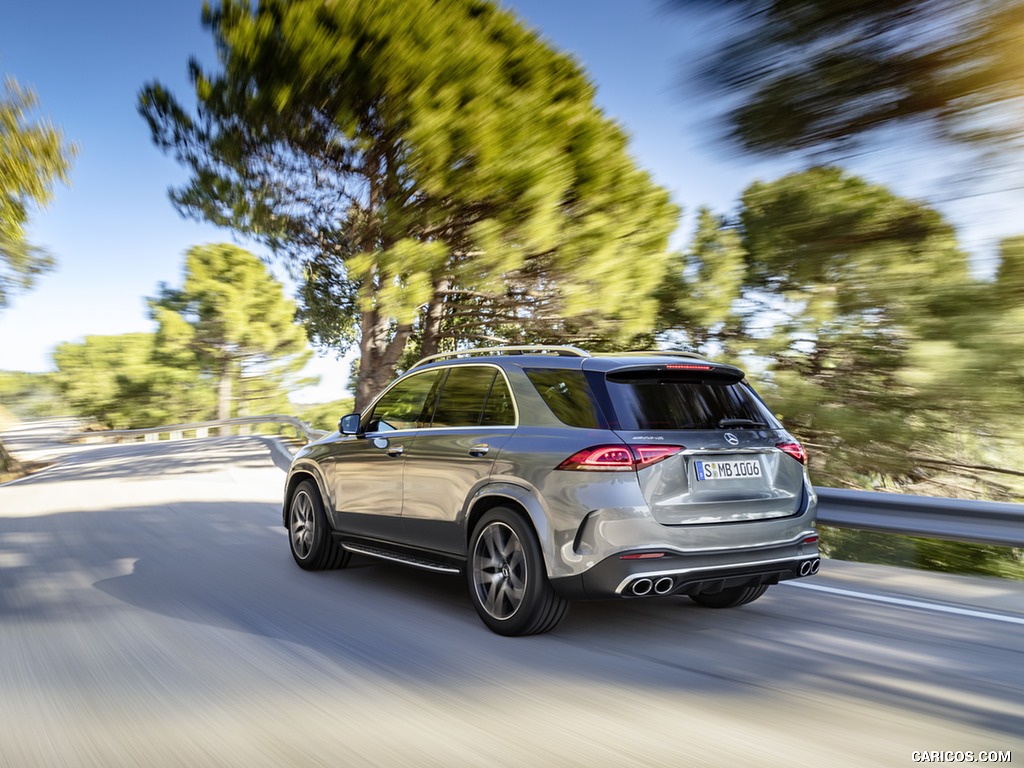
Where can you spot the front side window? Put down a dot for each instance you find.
(401, 407)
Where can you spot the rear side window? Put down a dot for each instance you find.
(499, 411)
(568, 395)
(673, 403)
(464, 396)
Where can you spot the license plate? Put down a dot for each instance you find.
(728, 469)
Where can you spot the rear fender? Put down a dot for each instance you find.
(523, 498)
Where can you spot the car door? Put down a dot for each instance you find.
(472, 420)
(368, 469)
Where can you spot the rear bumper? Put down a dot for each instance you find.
(690, 573)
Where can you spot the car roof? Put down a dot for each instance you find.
(574, 358)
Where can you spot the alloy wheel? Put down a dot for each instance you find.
(500, 570)
(303, 524)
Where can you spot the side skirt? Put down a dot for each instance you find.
(423, 559)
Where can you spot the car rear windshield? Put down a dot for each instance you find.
(674, 402)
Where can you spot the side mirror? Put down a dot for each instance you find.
(349, 425)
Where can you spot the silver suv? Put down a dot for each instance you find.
(547, 474)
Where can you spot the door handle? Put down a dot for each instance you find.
(395, 450)
(479, 450)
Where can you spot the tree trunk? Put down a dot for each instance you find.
(224, 392)
(378, 355)
(434, 317)
(380, 346)
(8, 464)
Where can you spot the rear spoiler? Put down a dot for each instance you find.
(702, 371)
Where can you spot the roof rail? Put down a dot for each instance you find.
(649, 352)
(543, 349)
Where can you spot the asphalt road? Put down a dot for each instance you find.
(151, 615)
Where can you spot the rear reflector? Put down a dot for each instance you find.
(643, 556)
(618, 458)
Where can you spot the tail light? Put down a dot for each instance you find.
(795, 450)
(618, 458)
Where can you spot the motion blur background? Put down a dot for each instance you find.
(823, 193)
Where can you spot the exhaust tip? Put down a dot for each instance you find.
(663, 585)
(641, 587)
(810, 567)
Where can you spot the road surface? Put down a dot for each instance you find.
(151, 615)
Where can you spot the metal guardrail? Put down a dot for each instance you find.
(980, 522)
(198, 430)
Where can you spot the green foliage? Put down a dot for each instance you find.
(33, 155)
(810, 75)
(326, 415)
(118, 382)
(7, 419)
(855, 310)
(850, 272)
(29, 395)
(703, 285)
(823, 228)
(232, 322)
(868, 286)
(226, 338)
(924, 554)
(433, 169)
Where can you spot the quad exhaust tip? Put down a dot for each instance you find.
(810, 567)
(664, 585)
(642, 587)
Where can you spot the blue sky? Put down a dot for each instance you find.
(116, 236)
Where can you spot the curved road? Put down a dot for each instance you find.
(151, 615)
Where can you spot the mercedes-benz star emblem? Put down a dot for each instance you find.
(731, 439)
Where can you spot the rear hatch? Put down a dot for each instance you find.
(735, 462)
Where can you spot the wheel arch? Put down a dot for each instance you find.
(296, 476)
(522, 501)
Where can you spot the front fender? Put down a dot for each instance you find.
(303, 469)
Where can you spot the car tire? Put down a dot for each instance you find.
(508, 581)
(309, 535)
(730, 598)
